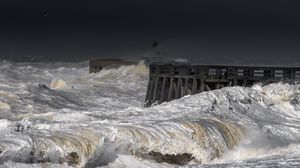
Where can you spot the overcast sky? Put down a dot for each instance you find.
(202, 31)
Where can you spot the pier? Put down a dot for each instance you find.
(172, 81)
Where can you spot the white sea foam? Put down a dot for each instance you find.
(100, 120)
(4, 106)
(3, 124)
(8, 95)
(57, 84)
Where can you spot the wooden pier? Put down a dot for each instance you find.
(172, 81)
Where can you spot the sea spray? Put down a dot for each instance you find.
(99, 120)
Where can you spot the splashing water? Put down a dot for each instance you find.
(57, 84)
(58, 115)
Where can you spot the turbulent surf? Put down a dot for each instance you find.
(58, 115)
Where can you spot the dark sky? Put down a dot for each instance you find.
(202, 31)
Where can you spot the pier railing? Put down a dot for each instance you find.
(170, 81)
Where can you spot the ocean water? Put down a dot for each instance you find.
(58, 115)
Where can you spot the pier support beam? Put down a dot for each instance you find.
(207, 87)
(202, 85)
(155, 89)
(170, 89)
(186, 85)
(178, 88)
(149, 93)
(163, 95)
(194, 89)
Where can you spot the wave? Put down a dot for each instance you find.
(64, 116)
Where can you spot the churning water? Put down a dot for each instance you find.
(58, 115)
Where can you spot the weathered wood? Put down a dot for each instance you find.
(162, 96)
(155, 89)
(170, 89)
(207, 87)
(194, 88)
(168, 81)
(235, 82)
(186, 85)
(149, 92)
(202, 85)
(178, 88)
(217, 86)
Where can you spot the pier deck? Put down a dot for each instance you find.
(170, 81)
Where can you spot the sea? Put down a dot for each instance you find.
(59, 115)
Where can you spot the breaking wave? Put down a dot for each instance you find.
(59, 115)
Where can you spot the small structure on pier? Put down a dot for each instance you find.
(96, 65)
(172, 81)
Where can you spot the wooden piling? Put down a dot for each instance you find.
(186, 85)
(178, 88)
(162, 96)
(170, 89)
(194, 89)
(155, 88)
